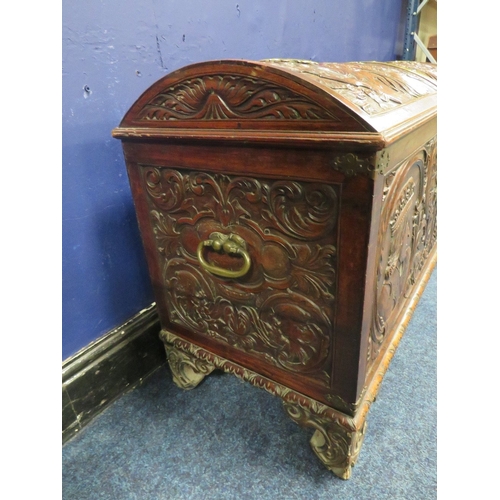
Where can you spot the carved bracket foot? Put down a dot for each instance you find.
(335, 445)
(187, 371)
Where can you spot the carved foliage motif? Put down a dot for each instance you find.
(407, 235)
(281, 310)
(226, 97)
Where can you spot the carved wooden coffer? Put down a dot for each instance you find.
(288, 214)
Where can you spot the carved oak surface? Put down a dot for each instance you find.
(407, 235)
(282, 310)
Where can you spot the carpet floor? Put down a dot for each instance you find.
(229, 440)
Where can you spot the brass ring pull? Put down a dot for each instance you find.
(230, 244)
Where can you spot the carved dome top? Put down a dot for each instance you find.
(233, 97)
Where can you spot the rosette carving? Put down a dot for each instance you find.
(282, 309)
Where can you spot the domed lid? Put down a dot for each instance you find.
(370, 103)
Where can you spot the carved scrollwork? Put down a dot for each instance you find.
(281, 310)
(301, 210)
(226, 97)
(166, 188)
(407, 236)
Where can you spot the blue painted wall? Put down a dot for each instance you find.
(113, 50)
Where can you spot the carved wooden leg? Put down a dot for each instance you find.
(187, 371)
(336, 445)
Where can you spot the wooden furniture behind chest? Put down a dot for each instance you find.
(288, 213)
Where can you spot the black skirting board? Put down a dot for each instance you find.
(105, 369)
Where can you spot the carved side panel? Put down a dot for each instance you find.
(282, 310)
(407, 235)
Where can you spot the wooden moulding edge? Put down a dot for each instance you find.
(371, 141)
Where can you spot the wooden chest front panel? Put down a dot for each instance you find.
(282, 311)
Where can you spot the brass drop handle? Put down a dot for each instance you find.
(227, 243)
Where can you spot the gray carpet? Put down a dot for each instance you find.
(229, 440)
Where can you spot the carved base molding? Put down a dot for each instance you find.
(338, 437)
